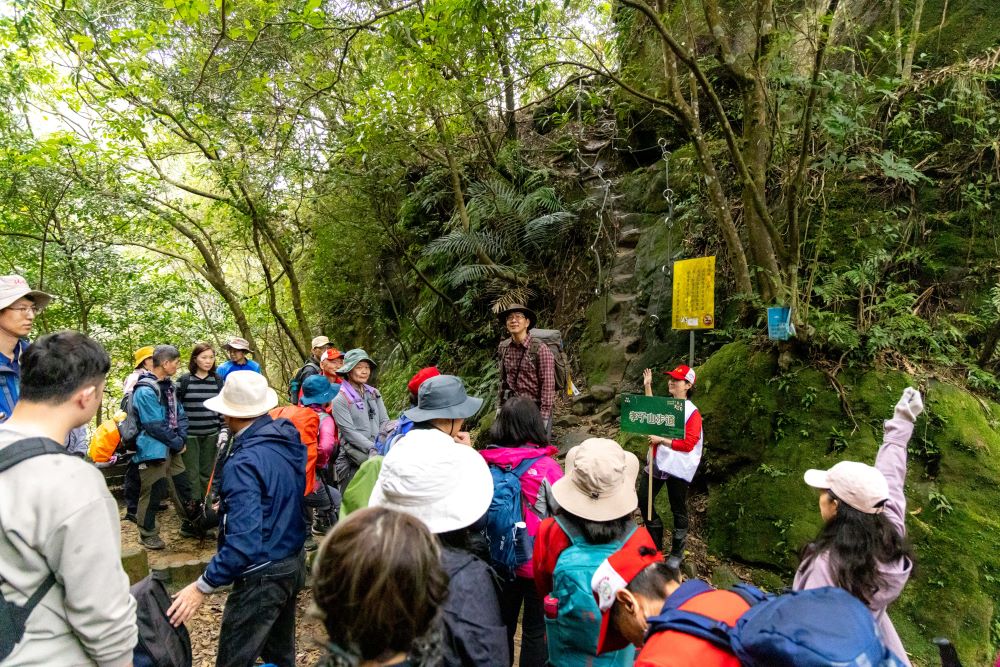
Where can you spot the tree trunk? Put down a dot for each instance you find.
(911, 47)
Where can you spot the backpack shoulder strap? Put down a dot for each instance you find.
(28, 448)
(182, 386)
(687, 590)
(750, 594)
(524, 465)
(694, 624)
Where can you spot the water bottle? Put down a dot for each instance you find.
(523, 543)
(551, 606)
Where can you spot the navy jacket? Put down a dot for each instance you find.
(474, 633)
(260, 508)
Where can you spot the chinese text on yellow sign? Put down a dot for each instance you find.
(694, 293)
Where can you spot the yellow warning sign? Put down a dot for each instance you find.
(694, 293)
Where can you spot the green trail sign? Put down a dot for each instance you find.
(653, 415)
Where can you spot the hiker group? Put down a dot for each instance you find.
(434, 549)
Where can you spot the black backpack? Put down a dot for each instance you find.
(129, 427)
(299, 378)
(159, 642)
(13, 617)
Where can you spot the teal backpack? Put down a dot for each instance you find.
(572, 635)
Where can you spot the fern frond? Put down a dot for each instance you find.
(539, 201)
(548, 229)
(472, 273)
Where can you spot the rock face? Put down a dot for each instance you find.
(764, 428)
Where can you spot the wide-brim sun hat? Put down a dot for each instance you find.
(599, 484)
(443, 397)
(518, 308)
(320, 341)
(244, 395)
(14, 287)
(317, 390)
(354, 357)
(447, 486)
(860, 485)
(237, 343)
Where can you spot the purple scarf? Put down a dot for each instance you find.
(352, 394)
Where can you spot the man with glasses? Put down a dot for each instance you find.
(527, 367)
(19, 304)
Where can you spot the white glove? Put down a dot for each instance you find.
(910, 405)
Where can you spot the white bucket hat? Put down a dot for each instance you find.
(245, 395)
(447, 486)
(14, 287)
(237, 343)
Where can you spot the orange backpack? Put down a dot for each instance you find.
(306, 422)
(106, 439)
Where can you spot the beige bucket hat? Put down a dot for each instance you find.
(600, 481)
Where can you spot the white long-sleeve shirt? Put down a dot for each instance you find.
(57, 515)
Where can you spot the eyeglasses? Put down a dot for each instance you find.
(515, 317)
(24, 309)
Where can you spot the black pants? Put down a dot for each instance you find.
(534, 653)
(677, 491)
(131, 488)
(259, 618)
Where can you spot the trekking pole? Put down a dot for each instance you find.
(649, 495)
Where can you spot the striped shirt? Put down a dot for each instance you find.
(201, 420)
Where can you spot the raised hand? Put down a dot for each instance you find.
(910, 404)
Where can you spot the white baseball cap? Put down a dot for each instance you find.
(15, 287)
(860, 485)
(320, 341)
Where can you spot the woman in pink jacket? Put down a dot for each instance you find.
(862, 547)
(519, 434)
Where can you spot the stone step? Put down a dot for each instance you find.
(629, 238)
(626, 218)
(624, 254)
(619, 280)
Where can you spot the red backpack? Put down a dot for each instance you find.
(306, 422)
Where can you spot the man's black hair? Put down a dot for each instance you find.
(165, 353)
(57, 365)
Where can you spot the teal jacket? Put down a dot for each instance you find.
(156, 438)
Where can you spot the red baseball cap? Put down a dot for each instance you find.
(423, 374)
(614, 574)
(331, 354)
(682, 372)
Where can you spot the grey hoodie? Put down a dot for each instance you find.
(815, 572)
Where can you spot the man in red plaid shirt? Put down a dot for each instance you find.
(527, 367)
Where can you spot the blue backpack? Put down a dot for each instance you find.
(572, 635)
(819, 627)
(502, 517)
(390, 434)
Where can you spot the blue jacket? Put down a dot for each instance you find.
(229, 367)
(260, 508)
(156, 439)
(10, 379)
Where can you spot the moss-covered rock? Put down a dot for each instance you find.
(764, 428)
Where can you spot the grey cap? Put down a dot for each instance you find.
(443, 397)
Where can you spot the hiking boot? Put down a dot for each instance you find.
(310, 544)
(130, 517)
(677, 549)
(321, 524)
(190, 530)
(162, 507)
(153, 542)
(655, 529)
